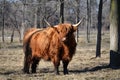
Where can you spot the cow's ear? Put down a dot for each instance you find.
(75, 28)
(76, 25)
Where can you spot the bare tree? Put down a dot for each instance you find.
(22, 28)
(29, 13)
(77, 17)
(35, 14)
(98, 45)
(115, 34)
(3, 14)
(88, 22)
(61, 11)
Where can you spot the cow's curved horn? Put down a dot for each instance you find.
(47, 23)
(76, 25)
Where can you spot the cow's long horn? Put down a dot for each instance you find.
(47, 23)
(76, 25)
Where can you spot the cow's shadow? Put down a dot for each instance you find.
(77, 70)
(87, 69)
(12, 72)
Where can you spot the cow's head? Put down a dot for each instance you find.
(65, 30)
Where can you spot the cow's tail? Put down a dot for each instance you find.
(28, 54)
(27, 57)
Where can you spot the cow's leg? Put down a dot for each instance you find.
(34, 65)
(56, 63)
(56, 70)
(65, 65)
(26, 65)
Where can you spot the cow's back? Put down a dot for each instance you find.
(28, 33)
(27, 36)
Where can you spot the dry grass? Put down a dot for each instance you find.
(82, 67)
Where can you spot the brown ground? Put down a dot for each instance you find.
(82, 67)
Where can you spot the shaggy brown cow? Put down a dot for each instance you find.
(53, 43)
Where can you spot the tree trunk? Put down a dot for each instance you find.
(98, 45)
(61, 11)
(22, 28)
(35, 20)
(3, 12)
(77, 18)
(12, 35)
(115, 34)
(87, 22)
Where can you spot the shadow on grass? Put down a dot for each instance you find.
(8, 73)
(16, 72)
(14, 46)
(19, 72)
(96, 68)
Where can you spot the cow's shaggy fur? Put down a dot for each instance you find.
(53, 43)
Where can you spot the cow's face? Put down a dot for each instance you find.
(65, 30)
(69, 28)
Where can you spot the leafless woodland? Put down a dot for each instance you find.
(18, 15)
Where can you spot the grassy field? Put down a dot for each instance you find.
(84, 65)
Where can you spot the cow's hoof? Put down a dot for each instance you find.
(26, 71)
(66, 72)
(33, 71)
(57, 73)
